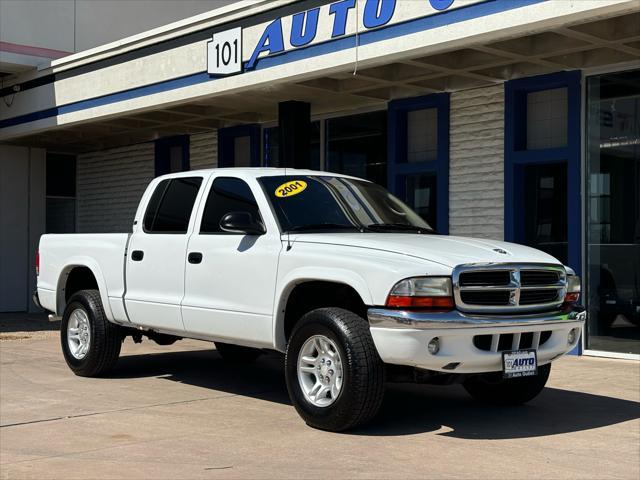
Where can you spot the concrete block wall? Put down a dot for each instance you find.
(476, 170)
(111, 182)
(203, 150)
(109, 186)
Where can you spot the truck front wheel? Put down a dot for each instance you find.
(334, 375)
(90, 343)
(492, 388)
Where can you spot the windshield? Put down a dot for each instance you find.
(306, 203)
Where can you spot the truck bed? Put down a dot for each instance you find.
(102, 253)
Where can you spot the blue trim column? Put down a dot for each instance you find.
(516, 157)
(226, 144)
(398, 168)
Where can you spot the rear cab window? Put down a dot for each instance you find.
(171, 205)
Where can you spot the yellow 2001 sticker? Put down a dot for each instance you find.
(293, 187)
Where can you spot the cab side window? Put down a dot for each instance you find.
(171, 205)
(227, 195)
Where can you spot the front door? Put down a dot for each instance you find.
(418, 170)
(229, 287)
(156, 255)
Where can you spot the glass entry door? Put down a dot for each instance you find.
(613, 212)
(545, 208)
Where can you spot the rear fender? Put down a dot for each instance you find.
(91, 264)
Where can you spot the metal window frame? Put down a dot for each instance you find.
(398, 169)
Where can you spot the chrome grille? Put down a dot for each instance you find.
(499, 277)
(538, 277)
(531, 297)
(508, 287)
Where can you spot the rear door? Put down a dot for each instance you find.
(156, 256)
(229, 289)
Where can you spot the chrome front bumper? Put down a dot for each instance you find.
(387, 318)
(401, 337)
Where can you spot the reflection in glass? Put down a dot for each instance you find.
(613, 212)
(421, 196)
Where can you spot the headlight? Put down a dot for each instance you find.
(422, 292)
(573, 289)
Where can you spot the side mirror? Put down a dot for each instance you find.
(241, 222)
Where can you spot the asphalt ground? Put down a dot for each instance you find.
(182, 412)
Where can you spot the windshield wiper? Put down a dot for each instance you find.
(324, 226)
(399, 226)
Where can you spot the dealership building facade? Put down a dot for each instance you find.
(504, 119)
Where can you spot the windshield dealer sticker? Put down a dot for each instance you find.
(291, 188)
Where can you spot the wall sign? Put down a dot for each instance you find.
(224, 52)
(239, 49)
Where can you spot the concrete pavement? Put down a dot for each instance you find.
(182, 412)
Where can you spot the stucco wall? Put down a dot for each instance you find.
(476, 179)
(22, 221)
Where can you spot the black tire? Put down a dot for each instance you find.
(237, 353)
(362, 388)
(492, 388)
(105, 337)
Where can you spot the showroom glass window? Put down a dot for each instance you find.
(613, 212)
(357, 145)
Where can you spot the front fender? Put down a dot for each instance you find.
(312, 274)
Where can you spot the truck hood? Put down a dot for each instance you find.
(443, 249)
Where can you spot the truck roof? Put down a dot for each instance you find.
(255, 172)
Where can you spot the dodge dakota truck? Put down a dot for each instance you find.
(354, 287)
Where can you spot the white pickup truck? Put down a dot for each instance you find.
(336, 272)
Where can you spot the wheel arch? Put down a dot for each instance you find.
(349, 287)
(81, 274)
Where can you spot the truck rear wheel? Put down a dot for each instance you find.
(334, 375)
(492, 388)
(90, 343)
(237, 353)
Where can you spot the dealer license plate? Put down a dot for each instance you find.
(519, 363)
